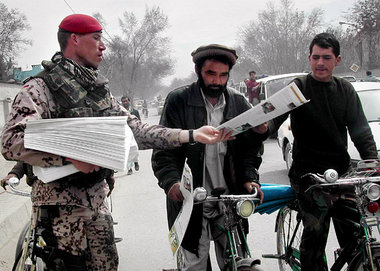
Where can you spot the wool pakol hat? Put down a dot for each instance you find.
(214, 50)
(80, 23)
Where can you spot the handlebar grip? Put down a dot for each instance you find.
(13, 181)
(254, 192)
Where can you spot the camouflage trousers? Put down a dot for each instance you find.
(316, 211)
(86, 232)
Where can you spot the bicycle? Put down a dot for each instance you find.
(33, 250)
(235, 209)
(360, 191)
(25, 258)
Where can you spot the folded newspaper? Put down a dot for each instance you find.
(279, 103)
(103, 141)
(178, 230)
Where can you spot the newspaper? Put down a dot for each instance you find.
(50, 174)
(177, 231)
(279, 103)
(104, 141)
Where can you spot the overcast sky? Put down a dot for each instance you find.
(192, 22)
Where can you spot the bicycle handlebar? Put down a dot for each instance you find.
(325, 182)
(12, 183)
(208, 198)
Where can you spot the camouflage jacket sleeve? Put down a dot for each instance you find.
(150, 136)
(33, 102)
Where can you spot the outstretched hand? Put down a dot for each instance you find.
(209, 135)
(83, 166)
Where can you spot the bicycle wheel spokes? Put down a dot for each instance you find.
(289, 233)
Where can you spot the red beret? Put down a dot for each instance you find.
(80, 23)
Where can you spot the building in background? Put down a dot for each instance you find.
(19, 76)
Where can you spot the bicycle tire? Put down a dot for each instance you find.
(286, 224)
(357, 262)
(23, 258)
(21, 239)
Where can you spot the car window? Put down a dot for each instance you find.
(274, 86)
(370, 101)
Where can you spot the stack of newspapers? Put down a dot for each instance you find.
(103, 141)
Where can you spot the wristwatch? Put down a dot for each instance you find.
(191, 137)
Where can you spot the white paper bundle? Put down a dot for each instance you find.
(279, 103)
(102, 141)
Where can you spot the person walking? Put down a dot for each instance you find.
(126, 102)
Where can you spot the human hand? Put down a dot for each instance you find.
(175, 193)
(261, 129)
(209, 135)
(4, 182)
(250, 186)
(83, 166)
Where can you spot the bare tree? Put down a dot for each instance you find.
(140, 57)
(277, 42)
(12, 25)
(365, 17)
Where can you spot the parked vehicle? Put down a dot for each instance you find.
(369, 93)
(355, 194)
(349, 78)
(138, 104)
(271, 84)
(160, 107)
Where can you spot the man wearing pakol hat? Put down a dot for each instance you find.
(231, 165)
(73, 207)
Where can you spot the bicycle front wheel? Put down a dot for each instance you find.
(361, 263)
(289, 232)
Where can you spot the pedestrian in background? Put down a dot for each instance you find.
(253, 88)
(126, 102)
(370, 77)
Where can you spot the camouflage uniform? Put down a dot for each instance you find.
(84, 225)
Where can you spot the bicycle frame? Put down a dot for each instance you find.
(238, 251)
(237, 240)
(363, 250)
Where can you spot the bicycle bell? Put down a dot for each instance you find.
(331, 175)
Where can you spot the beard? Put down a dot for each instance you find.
(212, 90)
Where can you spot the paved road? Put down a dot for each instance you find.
(139, 208)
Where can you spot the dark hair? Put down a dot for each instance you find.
(325, 41)
(199, 64)
(63, 37)
(251, 72)
(125, 97)
(368, 73)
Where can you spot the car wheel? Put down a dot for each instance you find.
(288, 155)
